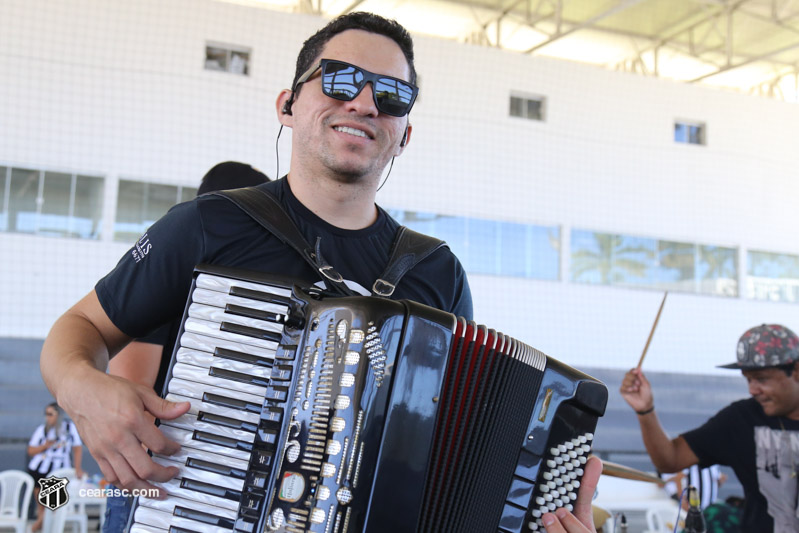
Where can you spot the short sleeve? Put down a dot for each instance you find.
(74, 436)
(151, 282)
(704, 440)
(37, 439)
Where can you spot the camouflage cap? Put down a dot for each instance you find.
(766, 346)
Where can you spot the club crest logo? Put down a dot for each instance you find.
(53, 492)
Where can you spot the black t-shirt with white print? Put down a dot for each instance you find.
(150, 284)
(764, 453)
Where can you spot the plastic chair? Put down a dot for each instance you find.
(55, 521)
(661, 518)
(75, 512)
(16, 488)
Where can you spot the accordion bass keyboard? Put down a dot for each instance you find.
(348, 414)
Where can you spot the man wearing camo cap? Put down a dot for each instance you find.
(757, 437)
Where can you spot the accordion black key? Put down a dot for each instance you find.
(345, 414)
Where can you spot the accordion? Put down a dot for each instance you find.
(345, 414)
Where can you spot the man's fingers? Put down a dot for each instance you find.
(582, 508)
(161, 408)
(156, 442)
(129, 479)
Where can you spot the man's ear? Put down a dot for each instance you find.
(406, 138)
(283, 106)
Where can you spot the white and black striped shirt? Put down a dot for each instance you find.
(706, 481)
(57, 456)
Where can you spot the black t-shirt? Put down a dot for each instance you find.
(764, 453)
(150, 284)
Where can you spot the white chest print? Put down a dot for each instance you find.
(777, 464)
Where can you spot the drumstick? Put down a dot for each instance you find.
(652, 332)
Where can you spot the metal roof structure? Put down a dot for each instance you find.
(746, 45)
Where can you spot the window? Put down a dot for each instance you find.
(233, 59)
(772, 276)
(493, 247)
(689, 132)
(529, 107)
(57, 204)
(139, 204)
(624, 260)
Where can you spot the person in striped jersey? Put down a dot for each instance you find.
(706, 480)
(53, 445)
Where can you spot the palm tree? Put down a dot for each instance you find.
(612, 258)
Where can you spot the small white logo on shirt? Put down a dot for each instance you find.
(141, 248)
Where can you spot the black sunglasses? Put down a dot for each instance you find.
(344, 81)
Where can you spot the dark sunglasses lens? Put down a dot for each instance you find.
(341, 81)
(393, 97)
(344, 81)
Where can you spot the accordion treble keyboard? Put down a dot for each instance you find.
(222, 365)
(348, 414)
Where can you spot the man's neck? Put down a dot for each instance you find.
(344, 205)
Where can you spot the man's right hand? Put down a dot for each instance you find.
(636, 390)
(111, 415)
(109, 412)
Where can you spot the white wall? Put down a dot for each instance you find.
(118, 88)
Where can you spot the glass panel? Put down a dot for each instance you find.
(3, 214)
(689, 133)
(542, 252)
(128, 225)
(535, 109)
(159, 199)
(215, 58)
(611, 259)
(512, 249)
(239, 62)
(23, 194)
(773, 277)
(482, 246)
(676, 271)
(717, 270)
(54, 217)
(491, 247)
(139, 205)
(88, 211)
(187, 193)
(516, 106)
(695, 135)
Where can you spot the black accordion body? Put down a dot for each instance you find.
(348, 414)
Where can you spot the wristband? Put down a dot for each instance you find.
(645, 411)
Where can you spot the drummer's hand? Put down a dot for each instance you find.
(636, 390)
(111, 414)
(582, 521)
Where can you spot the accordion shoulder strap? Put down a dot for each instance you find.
(265, 209)
(409, 248)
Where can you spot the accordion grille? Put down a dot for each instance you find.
(486, 403)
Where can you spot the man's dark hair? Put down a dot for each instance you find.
(312, 48)
(787, 368)
(230, 175)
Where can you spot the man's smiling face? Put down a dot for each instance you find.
(776, 392)
(350, 141)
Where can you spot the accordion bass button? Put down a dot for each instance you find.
(342, 402)
(344, 495)
(318, 515)
(333, 447)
